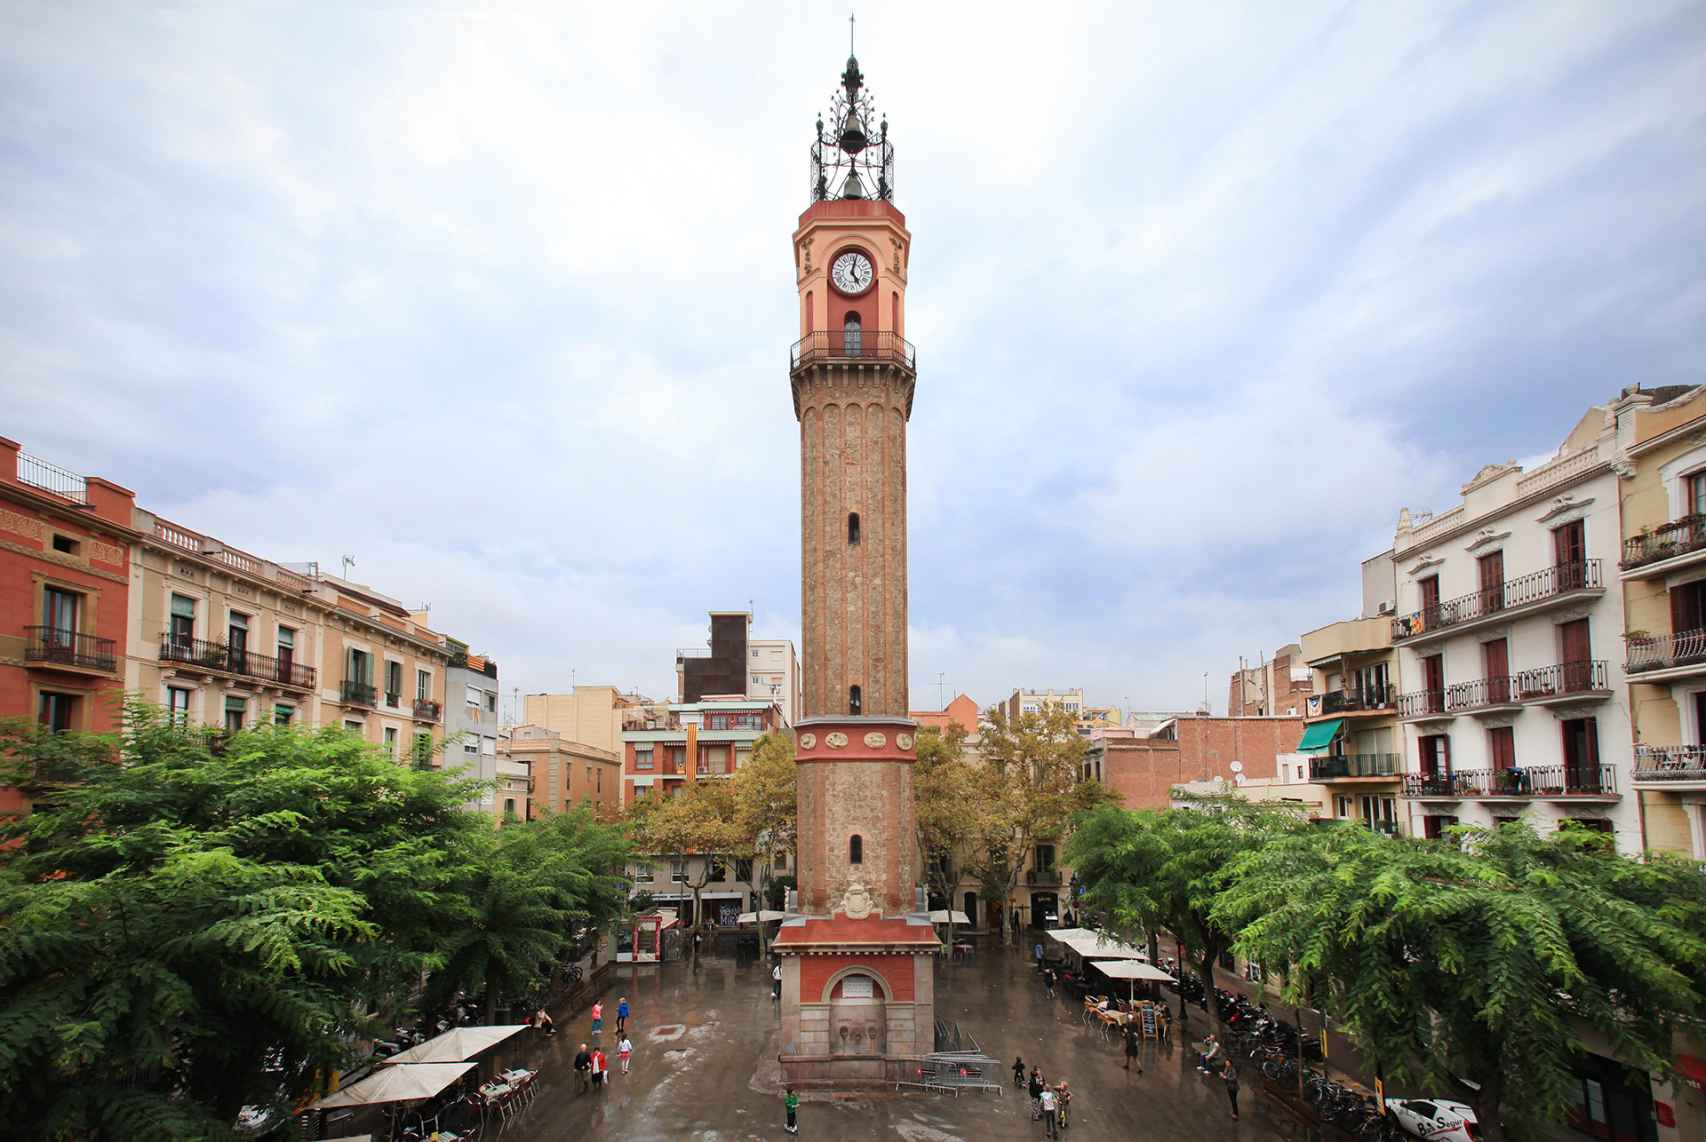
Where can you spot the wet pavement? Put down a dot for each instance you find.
(704, 1068)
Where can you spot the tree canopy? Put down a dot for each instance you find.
(187, 926)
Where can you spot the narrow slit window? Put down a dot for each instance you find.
(855, 849)
(855, 701)
(853, 529)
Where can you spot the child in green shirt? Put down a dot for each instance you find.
(791, 1103)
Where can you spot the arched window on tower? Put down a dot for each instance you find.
(853, 529)
(855, 701)
(855, 849)
(894, 313)
(809, 315)
(852, 335)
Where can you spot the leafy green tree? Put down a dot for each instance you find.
(172, 916)
(698, 821)
(946, 809)
(766, 807)
(1485, 957)
(1154, 869)
(532, 886)
(1028, 789)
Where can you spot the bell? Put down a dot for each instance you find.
(852, 135)
(852, 188)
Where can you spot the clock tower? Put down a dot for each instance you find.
(858, 958)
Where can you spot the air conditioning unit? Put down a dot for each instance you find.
(1385, 608)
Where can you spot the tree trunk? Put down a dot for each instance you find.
(1486, 1103)
(490, 1007)
(1210, 954)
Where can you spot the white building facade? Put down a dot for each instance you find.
(1508, 634)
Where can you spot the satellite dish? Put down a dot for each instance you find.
(1238, 779)
(1236, 767)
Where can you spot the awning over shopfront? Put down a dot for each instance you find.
(1318, 737)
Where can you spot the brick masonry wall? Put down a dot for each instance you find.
(1143, 771)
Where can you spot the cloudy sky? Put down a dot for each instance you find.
(499, 303)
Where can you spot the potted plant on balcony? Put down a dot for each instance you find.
(1507, 782)
(212, 656)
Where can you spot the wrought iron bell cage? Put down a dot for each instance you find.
(852, 157)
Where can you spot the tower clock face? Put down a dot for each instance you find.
(851, 272)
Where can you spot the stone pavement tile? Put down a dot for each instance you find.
(704, 1068)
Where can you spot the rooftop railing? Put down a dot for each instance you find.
(62, 482)
(1562, 579)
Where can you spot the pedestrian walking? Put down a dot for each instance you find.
(776, 982)
(1018, 1071)
(1051, 1123)
(625, 1051)
(1048, 981)
(1014, 917)
(1229, 1075)
(1163, 1024)
(1063, 1104)
(791, 1104)
(1131, 1048)
(597, 1017)
(583, 1067)
(622, 1015)
(542, 1021)
(599, 1069)
(1037, 954)
(1035, 1089)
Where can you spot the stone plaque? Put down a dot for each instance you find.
(837, 740)
(808, 741)
(904, 741)
(858, 987)
(874, 740)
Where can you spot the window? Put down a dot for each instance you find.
(1581, 755)
(423, 750)
(509, 808)
(1694, 487)
(855, 849)
(678, 759)
(423, 685)
(1490, 568)
(1435, 755)
(678, 871)
(65, 544)
(781, 862)
(642, 757)
(1569, 549)
(853, 529)
(354, 726)
(393, 683)
(598, 780)
(282, 715)
(236, 709)
(641, 874)
(852, 335)
(855, 700)
(182, 630)
(472, 697)
(58, 712)
(1688, 607)
(237, 640)
(358, 666)
(743, 871)
(1435, 824)
(59, 614)
(1045, 858)
(1433, 676)
(1501, 747)
(1591, 824)
(178, 705)
(391, 742)
(491, 701)
(286, 652)
(1429, 588)
(489, 746)
(719, 871)
(471, 748)
(1575, 655)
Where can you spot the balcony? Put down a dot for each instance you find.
(1658, 658)
(1566, 683)
(1671, 766)
(867, 346)
(1042, 877)
(426, 710)
(216, 656)
(1365, 700)
(1596, 782)
(54, 647)
(1511, 599)
(1355, 765)
(1665, 548)
(358, 693)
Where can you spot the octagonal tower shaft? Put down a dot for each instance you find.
(852, 375)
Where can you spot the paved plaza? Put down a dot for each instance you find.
(705, 1044)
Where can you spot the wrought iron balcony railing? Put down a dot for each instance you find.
(68, 648)
(427, 710)
(1482, 692)
(878, 347)
(1420, 703)
(1518, 781)
(1678, 537)
(218, 656)
(1562, 679)
(1670, 763)
(1583, 575)
(1377, 697)
(1664, 651)
(359, 693)
(1538, 684)
(1042, 876)
(1355, 765)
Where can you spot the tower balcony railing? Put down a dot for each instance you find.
(875, 346)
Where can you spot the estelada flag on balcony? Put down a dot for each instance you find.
(1318, 737)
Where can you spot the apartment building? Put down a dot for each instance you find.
(64, 594)
(733, 662)
(962, 711)
(564, 773)
(228, 639)
(1662, 571)
(773, 673)
(471, 727)
(717, 734)
(1281, 685)
(1351, 729)
(1087, 717)
(1506, 641)
(588, 715)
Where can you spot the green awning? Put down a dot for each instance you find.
(1318, 737)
